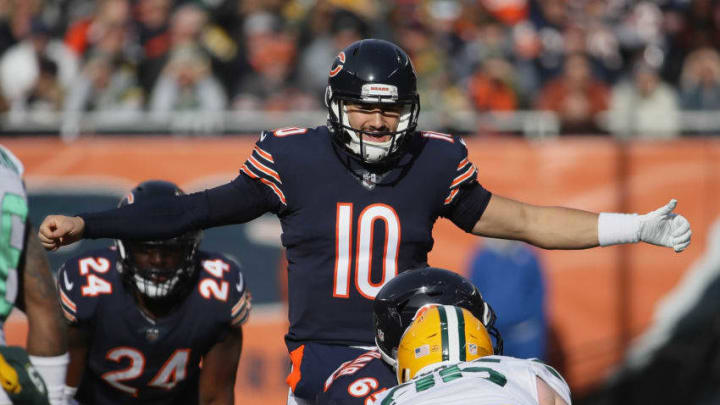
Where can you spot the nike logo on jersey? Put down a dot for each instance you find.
(263, 134)
(239, 285)
(68, 284)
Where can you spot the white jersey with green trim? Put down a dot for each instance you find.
(490, 380)
(13, 214)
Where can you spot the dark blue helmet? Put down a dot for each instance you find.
(372, 71)
(163, 269)
(399, 299)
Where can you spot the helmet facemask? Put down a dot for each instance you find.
(159, 270)
(371, 152)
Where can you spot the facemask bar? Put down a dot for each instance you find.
(142, 279)
(338, 117)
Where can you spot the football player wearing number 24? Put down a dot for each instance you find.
(357, 199)
(143, 314)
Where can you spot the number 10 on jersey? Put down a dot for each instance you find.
(363, 243)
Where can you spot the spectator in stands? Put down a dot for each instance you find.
(15, 21)
(46, 94)
(601, 44)
(191, 25)
(105, 30)
(644, 107)
(39, 65)
(576, 96)
(700, 81)
(187, 83)
(105, 84)
(152, 25)
(508, 12)
(431, 63)
(701, 25)
(271, 54)
(481, 40)
(490, 87)
(526, 49)
(549, 18)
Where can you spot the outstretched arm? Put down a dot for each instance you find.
(545, 227)
(217, 378)
(567, 228)
(238, 201)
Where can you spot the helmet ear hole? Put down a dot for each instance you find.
(328, 96)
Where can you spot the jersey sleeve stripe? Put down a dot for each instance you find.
(268, 183)
(463, 163)
(264, 169)
(67, 302)
(263, 154)
(464, 176)
(241, 318)
(275, 189)
(451, 196)
(70, 317)
(437, 135)
(240, 305)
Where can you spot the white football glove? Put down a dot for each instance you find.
(662, 227)
(69, 394)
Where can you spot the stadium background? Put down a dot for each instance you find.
(628, 122)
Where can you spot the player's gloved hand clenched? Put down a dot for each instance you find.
(662, 227)
(60, 230)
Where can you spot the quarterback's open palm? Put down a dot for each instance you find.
(59, 230)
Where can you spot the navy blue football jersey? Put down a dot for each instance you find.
(132, 358)
(356, 382)
(347, 228)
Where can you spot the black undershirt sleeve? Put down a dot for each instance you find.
(239, 201)
(469, 206)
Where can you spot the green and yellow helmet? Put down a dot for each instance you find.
(440, 334)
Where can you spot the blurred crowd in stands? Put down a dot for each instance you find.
(619, 66)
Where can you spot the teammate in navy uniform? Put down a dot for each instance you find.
(144, 314)
(395, 305)
(357, 200)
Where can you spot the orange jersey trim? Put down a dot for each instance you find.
(295, 375)
(67, 301)
(268, 183)
(261, 167)
(459, 179)
(452, 195)
(264, 154)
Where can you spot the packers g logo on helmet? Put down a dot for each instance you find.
(441, 334)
